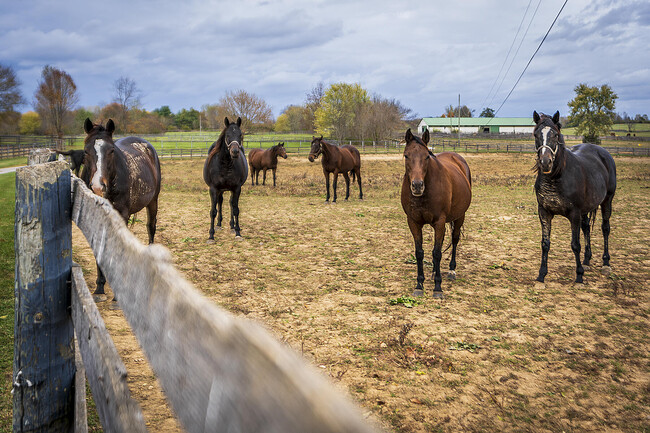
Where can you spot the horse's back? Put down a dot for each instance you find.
(354, 154)
(457, 165)
(144, 171)
(598, 163)
(255, 157)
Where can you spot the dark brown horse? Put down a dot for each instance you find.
(572, 183)
(259, 159)
(76, 159)
(225, 169)
(126, 172)
(437, 189)
(337, 159)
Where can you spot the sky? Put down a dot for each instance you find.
(186, 54)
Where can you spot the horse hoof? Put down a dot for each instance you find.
(99, 298)
(606, 270)
(114, 305)
(437, 294)
(210, 241)
(418, 292)
(239, 238)
(451, 275)
(586, 267)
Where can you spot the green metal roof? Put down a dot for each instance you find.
(478, 121)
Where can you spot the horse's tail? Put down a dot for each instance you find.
(592, 218)
(63, 152)
(353, 174)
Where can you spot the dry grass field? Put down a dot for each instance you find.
(499, 353)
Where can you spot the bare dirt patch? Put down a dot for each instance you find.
(500, 353)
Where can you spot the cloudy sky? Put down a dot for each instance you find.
(423, 53)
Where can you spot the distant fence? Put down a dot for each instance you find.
(219, 373)
(14, 146)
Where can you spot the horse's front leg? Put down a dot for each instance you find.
(213, 211)
(335, 181)
(101, 281)
(327, 185)
(545, 219)
(346, 176)
(219, 208)
(234, 211)
(439, 228)
(416, 231)
(575, 245)
(273, 176)
(586, 231)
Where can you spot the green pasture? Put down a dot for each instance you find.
(7, 199)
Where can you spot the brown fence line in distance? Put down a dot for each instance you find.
(14, 146)
(219, 372)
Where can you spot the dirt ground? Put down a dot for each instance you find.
(499, 353)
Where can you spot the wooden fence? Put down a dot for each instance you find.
(219, 373)
(14, 146)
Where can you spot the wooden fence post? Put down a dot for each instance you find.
(44, 362)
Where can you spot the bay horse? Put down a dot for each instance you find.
(225, 169)
(126, 172)
(436, 190)
(572, 183)
(337, 159)
(259, 159)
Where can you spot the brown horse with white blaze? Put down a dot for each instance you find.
(337, 159)
(437, 189)
(263, 160)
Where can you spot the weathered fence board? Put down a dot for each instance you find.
(106, 373)
(44, 365)
(219, 373)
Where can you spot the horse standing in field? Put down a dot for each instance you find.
(76, 159)
(259, 159)
(337, 159)
(572, 183)
(126, 172)
(436, 190)
(226, 169)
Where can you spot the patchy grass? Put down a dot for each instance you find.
(7, 204)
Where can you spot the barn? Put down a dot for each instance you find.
(476, 125)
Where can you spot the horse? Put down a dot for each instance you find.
(436, 190)
(572, 183)
(337, 159)
(225, 169)
(259, 159)
(126, 172)
(76, 159)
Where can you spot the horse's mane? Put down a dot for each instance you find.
(419, 141)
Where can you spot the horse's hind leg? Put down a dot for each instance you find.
(264, 177)
(152, 214)
(606, 210)
(358, 172)
(575, 245)
(455, 237)
(252, 170)
(101, 280)
(346, 176)
(586, 231)
(234, 211)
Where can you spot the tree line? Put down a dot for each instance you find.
(339, 111)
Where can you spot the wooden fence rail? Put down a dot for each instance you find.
(219, 373)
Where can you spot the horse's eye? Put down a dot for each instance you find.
(406, 157)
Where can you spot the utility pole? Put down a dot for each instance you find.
(459, 120)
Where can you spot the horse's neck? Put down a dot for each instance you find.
(329, 150)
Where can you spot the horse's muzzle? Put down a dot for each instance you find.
(234, 153)
(546, 164)
(417, 188)
(311, 158)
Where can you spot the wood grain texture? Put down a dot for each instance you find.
(43, 335)
(106, 373)
(220, 373)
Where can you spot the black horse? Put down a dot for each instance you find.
(76, 159)
(572, 183)
(126, 172)
(226, 169)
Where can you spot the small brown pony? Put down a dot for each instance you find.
(337, 159)
(437, 189)
(259, 159)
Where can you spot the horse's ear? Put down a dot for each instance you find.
(321, 137)
(282, 144)
(110, 126)
(239, 121)
(425, 136)
(556, 117)
(226, 122)
(409, 136)
(535, 117)
(88, 125)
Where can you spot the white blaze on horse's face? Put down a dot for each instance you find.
(97, 183)
(545, 152)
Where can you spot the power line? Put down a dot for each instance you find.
(532, 57)
(507, 55)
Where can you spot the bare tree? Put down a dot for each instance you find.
(252, 109)
(313, 103)
(380, 117)
(55, 98)
(10, 98)
(127, 95)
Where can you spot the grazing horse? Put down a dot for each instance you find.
(259, 159)
(337, 159)
(572, 183)
(436, 190)
(226, 169)
(76, 159)
(126, 172)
